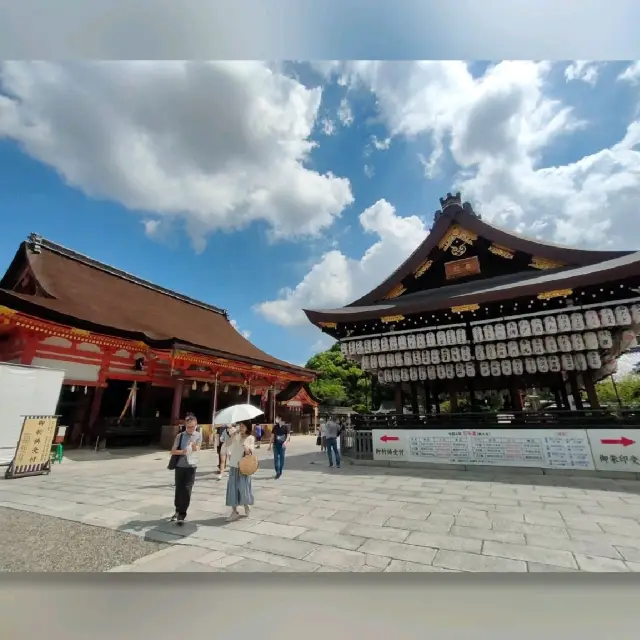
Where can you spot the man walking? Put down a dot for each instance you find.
(280, 436)
(186, 445)
(332, 430)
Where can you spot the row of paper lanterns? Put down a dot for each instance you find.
(590, 341)
(494, 368)
(590, 320)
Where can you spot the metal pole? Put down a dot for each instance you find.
(249, 393)
(615, 389)
(215, 401)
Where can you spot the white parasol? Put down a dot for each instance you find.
(237, 413)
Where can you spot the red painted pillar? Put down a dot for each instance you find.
(177, 401)
(30, 345)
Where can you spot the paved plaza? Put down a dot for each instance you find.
(354, 519)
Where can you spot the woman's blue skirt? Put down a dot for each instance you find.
(239, 491)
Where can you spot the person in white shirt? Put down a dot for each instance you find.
(186, 445)
(222, 447)
(323, 436)
(239, 489)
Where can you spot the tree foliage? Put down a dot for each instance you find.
(628, 390)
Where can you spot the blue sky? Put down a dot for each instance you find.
(148, 169)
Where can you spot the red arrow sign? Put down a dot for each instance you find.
(625, 442)
(388, 438)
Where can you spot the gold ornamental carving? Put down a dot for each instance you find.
(460, 236)
(558, 293)
(423, 268)
(503, 252)
(5, 311)
(390, 319)
(544, 263)
(328, 325)
(397, 291)
(465, 308)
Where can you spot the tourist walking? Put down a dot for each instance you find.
(222, 438)
(259, 431)
(323, 436)
(280, 436)
(332, 431)
(186, 446)
(239, 489)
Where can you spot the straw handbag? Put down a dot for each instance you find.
(248, 465)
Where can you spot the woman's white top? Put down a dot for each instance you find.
(323, 430)
(236, 448)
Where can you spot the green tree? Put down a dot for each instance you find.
(628, 390)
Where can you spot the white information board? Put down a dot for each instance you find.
(615, 449)
(538, 448)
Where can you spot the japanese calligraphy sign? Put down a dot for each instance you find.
(462, 268)
(33, 453)
(615, 449)
(539, 448)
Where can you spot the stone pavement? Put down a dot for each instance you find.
(351, 519)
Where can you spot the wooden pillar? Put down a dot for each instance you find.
(29, 351)
(472, 394)
(590, 388)
(558, 398)
(427, 398)
(399, 403)
(575, 391)
(414, 398)
(214, 400)
(453, 401)
(177, 401)
(516, 397)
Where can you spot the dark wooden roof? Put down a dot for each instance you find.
(81, 292)
(292, 390)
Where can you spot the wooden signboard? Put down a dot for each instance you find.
(462, 268)
(33, 452)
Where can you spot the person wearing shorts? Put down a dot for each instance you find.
(222, 437)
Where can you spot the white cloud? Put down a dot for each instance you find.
(328, 127)
(631, 73)
(369, 171)
(345, 115)
(245, 333)
(337, 279)
(584, 71)
(381, 145)
(221, 144)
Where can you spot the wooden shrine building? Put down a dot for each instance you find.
(136, 356)
(297, 406)
(477, 310)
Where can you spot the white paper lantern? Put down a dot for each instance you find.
(537, 327)
(416, 358)
(505, 366)
(524, 328)
(494, 367)
(402, 342)
(512, 329)
(396, 375)
(465, 353)
(550, 344)
(352, 347)
(391, 360)
(488, 332)
(577, 322)
(530, 366)
(605, 339)
(451, 337)
(480, 352)
(607, 318)
(435, 356)
(550, 324)
(554, 364)
(421, 341)
(542, 364)
(381, 378)
(367, 346)
(525, 348)
(491, 351)
(445, 355)
(455, 354)
(501, 350)
(564, 344)
(407, 359)
(426, 357)
(537, 346)
(501, 331)
(441, 338)
(580, 361)
(635, 313)
(413, 374)
(388, 375)
(431, 339)
(470, 369)
(399, 359)
(593, 360)
(477, 333)
(411, 341)
(564, 322)
(359, 347)
(365, 363)
(373, 362)
(577, 343)
(422, 372)
(375, 345)
(592, 319)
(344, 349)
(513, 349)
(517, 366)
(393, 343)
(461, 336)
(567, 362)
(384, 344)
(485, 369)
(591, 341)
(623, 317)
(441, 371)
(460, 370)
(450, 370)
(404, 374)
(431, 372)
